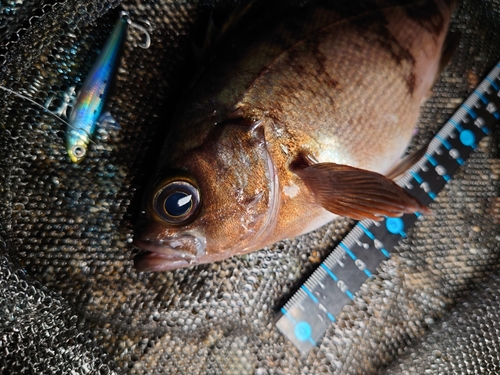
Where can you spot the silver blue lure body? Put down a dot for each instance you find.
(90, 101)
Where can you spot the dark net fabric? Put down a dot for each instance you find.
(70, 299)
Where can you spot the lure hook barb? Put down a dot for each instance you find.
(147, 42)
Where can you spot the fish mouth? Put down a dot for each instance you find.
(168, 254)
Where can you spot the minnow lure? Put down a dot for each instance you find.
(86, 112)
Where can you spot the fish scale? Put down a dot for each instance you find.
(310, 311)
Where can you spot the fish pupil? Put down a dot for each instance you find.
(178, 203)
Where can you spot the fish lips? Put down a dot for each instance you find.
(169, 253)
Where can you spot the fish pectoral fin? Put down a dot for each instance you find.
(403, 165)
(108, 122)
(356, 193)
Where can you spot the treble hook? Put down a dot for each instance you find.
(142, 29)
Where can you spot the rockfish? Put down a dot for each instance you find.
(293, 124)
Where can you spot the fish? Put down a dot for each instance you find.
(87, 110)
(292, 125)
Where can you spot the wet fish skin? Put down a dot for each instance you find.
(331, 86)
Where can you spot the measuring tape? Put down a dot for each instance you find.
(306, 316)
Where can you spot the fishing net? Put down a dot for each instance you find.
(70, 299)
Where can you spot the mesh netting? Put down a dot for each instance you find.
(70, 299)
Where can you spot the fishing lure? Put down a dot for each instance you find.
(87, 110)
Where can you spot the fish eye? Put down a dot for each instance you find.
(177, 202)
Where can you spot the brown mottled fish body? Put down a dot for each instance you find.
(272, 126)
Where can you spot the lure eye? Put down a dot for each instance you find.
(177, 202)
(79, 151)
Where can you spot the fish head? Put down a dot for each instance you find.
(76, 144)
(214, 201)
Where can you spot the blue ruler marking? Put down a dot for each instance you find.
(456, 124)
(481, 96)
(307, 315)
(452, 152)
(329, 272)
(353, 257)
(331, 317)
(367, 232)
(417, 177)
(308, 292)
(335, 278)
(470, 111)
(495, 86)
(395, 225)
(288, 316)
(379, 245)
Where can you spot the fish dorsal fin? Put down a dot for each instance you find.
(356, 193)
(403, 165)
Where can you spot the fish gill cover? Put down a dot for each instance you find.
(70, 299)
